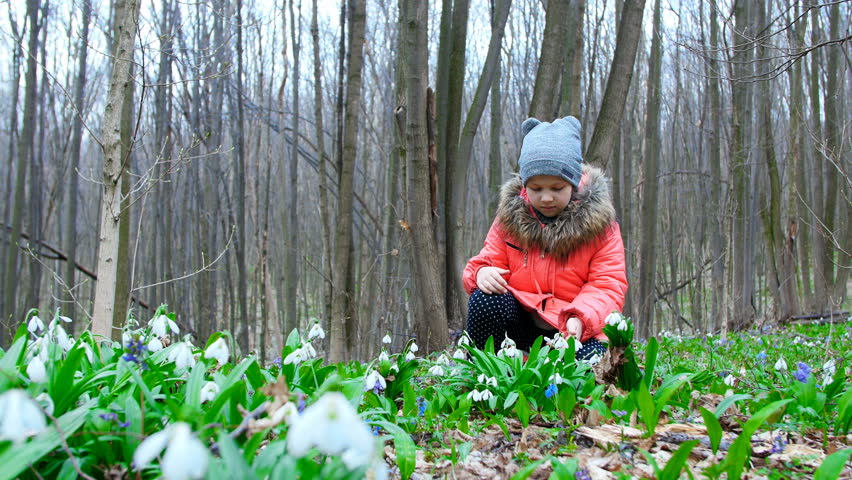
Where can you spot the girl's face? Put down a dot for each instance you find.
(549, 194)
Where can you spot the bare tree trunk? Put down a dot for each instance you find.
(120, 86)
(646, 296)
(343, 297)
(25, 143)
(617, 85)
(431, 320)
(495, 163)
(74, 180)
(717, 238)
(240, 192)
(573, 67)
(291, 278)
(550, 61)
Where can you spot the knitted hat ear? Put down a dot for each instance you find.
(529, 124)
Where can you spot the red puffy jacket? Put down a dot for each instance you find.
(573, 267)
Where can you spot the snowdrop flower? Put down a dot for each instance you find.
(46, 402)
(218, 350)
(57, 334)
(613, 318)
(387, 339)
(155, 345)
(781, 365)
(35, 324)
(480, 396)
(556, 379)
(181, 354)
(558, 342)
(309, 351)
(384, 357)
(829, 367)
(475, 395)
(87, 349)
(443, 359)
(507, 342)
(463, 340)
(414, 347)
(510, 351)
(375, 381)
(394, 368)
(437, 370)
(295, 357)
(316, 331)
(185, 457)
(285, 413)
(488, 381)
(622, 325)
(161, 324)
(593, 360)
(209, 392)
(459, 354)
(410, 356)
(20, 416)
(36, 370)
(334, 428)
(729, 380)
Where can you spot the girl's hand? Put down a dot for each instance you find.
(574, 327)
(490, 280)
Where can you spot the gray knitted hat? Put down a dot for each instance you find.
(551, 149)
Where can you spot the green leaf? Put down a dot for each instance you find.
(511, 398)
(741, 448)
(563, 471)
(10, 360)
(651, 360)
(194, 384)
(522, 408)
(675, 464)
(566, 400)
(727, 402)
(525, 472)
(235, 464)
(844, 414)
(646, 408)
(463, 451)
(833, 465)
(406, 452)
(714, 428)
(16, 460)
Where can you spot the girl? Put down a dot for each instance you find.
(553, 258)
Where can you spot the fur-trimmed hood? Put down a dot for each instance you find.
(588, 214)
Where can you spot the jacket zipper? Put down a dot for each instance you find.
(526, 254)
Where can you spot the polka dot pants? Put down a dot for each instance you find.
(500, 315)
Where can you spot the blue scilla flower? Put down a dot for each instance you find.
(550, 390)
(761, 357)
(376, 430)
(619, 413)
(421, 406)
(803, 372)
(778, 444)
(582, 474)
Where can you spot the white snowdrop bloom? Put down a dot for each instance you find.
(57, 334)
(394, 368)
(126, 337)
(285, 413)
(161, 324)
(316, 331)
(443, 359)
(295, 357)
(387, 339)
(830, 367)
(218, 350)
(384, 357)
(729, 380)
(488, 381)
(181, 354)
(437, 370)
(593, 360)
(374, 381)
(485, 395)
(459, 354)
(410, 356)
(558, 342)
(36, 370)
(622, 325)
(507, 342)
(309, 351)
(463, 340)
(781, 365)
(414, 347)
(35, 324)
(209, 391)
(613, 318)
(510, 351)
(46, 402)
(332, 426)
(556, 379)
(577, 343)
(475, 395)
(87, 349)
(186, 457)
(155, 345)
(20, 416)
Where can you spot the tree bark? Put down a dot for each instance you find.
(240, 193)
(573, 67)
(120, 86)
(617, 85)
(550, 61)
(646, 296)
(291, 278)
(343, 297)
(717, 235)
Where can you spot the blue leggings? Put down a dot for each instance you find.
(500, 315)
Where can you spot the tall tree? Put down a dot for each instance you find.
(291, 278)
(431, 320)
(550, 61)
(25, 143)
(717, 237)
(343, 298)
(240, 191)
(572, 70)
(602, 143)
(650, 184)
(127, 16)
(74, 160)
